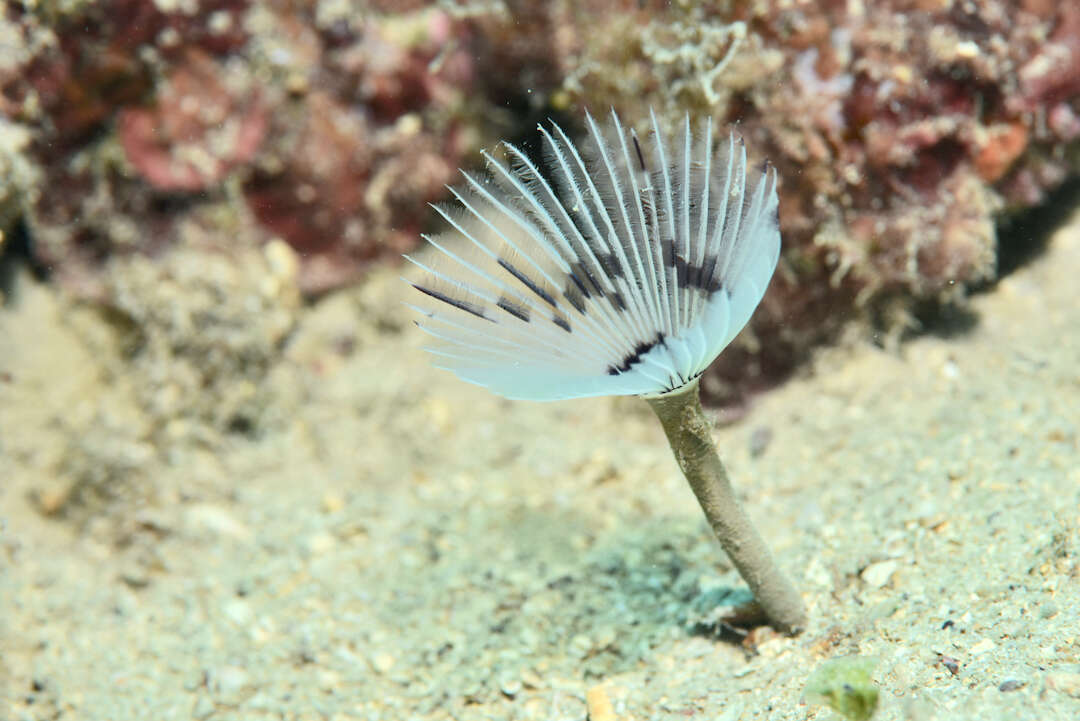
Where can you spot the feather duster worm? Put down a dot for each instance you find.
(616, 268)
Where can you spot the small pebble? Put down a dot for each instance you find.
(319, 543)
(950, 663)
(760, 438)
(216, 521)
(228, 682)
(382, 662)
(1011, 685)
(531, 679)
(135, 576)
(332, 502)
(510, 687)
(204, 708)
(50, 501)
(237, 611)
(328, 680)
(605, 637)
(878, 574)
(580, 646)
(1065, 682)
(599, 705)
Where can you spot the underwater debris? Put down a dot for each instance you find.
(626, 272)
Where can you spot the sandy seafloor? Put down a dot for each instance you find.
(404, 546)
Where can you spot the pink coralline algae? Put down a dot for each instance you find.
(349, 191)
(84, 65)
(348, 180)
(196, 132)
(333, 128)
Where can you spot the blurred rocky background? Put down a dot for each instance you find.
(311, 135)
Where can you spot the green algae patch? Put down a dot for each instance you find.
(844, 685)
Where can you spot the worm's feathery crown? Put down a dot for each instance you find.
(622, 267)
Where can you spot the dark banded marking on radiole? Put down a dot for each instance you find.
(518, 311)
(528, 283)
(640, 155)
(697, 276)
(588, 287)
(610, 265)
(464, 305)
(667, 252)
(575, 294)
(635, 357)
(687, 275)
(584, 280)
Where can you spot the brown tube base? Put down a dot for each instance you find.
(689, 432)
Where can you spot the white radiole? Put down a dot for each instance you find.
(622, 266)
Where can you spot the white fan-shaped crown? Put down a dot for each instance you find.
(623, 267)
